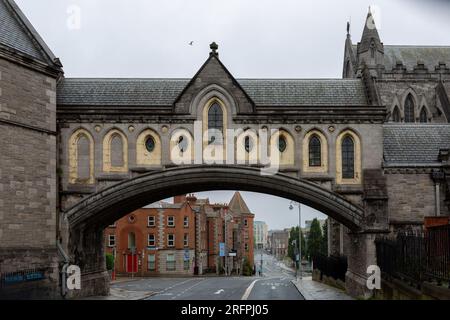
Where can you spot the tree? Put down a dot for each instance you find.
(314, 239)
(293, 243)
(247, 269)
(324, 248)
(109, 261)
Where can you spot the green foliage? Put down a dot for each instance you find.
(109, 261)
(247, 269)
(293, 237)
(324, 247)
(314, 243)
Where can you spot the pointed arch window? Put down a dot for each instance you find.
(315, 154)
(409, 109)
(348, 158)
(396, 114)
(423, 115)
(215, 124)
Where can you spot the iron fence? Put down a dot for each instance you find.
(331, 266)
(416, 257)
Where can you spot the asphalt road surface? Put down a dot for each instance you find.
(274, 284)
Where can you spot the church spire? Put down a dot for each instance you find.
(370, 39)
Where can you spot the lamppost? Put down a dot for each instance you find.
(291, 207)
(227, 217)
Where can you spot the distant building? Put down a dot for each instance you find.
(182, 237)
(260, 234)
(279, 242)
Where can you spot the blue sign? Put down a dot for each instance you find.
(186, 254)
(222, 249)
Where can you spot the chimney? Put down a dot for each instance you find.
(191, 198)
(179, 199)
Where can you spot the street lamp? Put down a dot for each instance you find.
(291, 207)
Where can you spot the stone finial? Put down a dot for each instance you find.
(214, 46)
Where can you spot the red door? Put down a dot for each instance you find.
(132, 263)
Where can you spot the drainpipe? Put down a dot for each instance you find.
(438, 207)
(64, 269)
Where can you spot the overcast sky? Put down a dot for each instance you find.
(257, 38)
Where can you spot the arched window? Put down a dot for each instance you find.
(315, 155)
(409, 109)
(117, 151)
(248, 144)
(423, 115)
(83, 160)
(215, 124)
(81, 157)
(396, 115)
(348, 158)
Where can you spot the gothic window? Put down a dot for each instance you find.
(348, 158)
(423, 115)
(248, 144)
(215, 124)
(315, 157)
(396, 115)
(83, 159)
(117, 151)
(409, 109)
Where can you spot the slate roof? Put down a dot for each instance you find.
(163, 92)
(164, 205)
(414, 144)
(17, 32)
(410, 55)
(237, 204)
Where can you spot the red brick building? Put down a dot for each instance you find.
(182, 237)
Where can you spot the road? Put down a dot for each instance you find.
(274, 284)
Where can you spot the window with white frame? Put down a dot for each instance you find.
(151, 262)
(246, 247)
(246, 222)
(151, 221)
(171, 240)
(171, 221)
(170, 262)
(151, 240)
(111, 240)
(186, 240)
(186, 222)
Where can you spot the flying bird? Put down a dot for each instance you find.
(191, 43)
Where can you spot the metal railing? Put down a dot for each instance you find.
(331, 266)
(417, 257)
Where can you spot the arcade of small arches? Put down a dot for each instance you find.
(149, 148)
(410, 111)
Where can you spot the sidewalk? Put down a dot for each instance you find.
(313, 290)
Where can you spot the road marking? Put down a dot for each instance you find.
(219, 291)
(249, 290)
(273, 287)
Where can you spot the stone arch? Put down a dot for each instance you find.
(75, 158)
(110, 151)
(357, 160)
(396, 115)
(323, 168)
(145, 157)
(287, 157)
(209, 92)
(110, 204)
